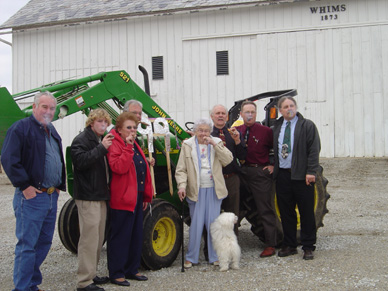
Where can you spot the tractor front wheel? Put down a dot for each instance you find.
(162, 235)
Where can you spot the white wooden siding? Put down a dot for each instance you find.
(339, 67)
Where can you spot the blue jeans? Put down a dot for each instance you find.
(35, 224)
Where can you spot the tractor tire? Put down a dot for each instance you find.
(68, 226)
(249, 210)
(162, 235)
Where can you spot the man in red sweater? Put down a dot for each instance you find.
(257, 171)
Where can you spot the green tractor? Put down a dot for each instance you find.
(163, 227)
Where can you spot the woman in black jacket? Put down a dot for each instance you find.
(91, 192)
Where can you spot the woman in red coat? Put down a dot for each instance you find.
(131, 191)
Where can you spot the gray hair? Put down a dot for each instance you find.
(45, 93)
(284, 98)
(202, 121)
(130, 102)
(223, 106)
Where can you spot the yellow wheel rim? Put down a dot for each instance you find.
(164, 236)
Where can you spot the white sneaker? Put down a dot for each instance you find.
(187, 265)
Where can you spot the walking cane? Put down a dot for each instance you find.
(183, 231)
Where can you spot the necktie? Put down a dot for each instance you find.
(222, 137)
(246, 137)
(286, 148)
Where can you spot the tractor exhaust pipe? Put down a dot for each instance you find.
(146, 80)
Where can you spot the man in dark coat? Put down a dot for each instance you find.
(296, 150)
(33, 161)
(232, 140)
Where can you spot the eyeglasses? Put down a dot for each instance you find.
(203, 130)
(249, 112)
(131, 127)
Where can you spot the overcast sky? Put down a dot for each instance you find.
(7, 9)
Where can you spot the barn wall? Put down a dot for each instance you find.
(336, 57)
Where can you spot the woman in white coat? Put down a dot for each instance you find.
(200, 180)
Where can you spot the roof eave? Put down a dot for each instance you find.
(116, 17)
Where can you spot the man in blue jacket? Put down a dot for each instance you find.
(33, 161)
(296, 150)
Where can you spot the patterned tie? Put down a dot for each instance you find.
(222, 137)
(246, 137)
(286, 147)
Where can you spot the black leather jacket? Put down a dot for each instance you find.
(87, 153)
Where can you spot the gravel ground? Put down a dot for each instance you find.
(350, 251)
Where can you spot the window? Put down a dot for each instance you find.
(157, 68)
(222, 63)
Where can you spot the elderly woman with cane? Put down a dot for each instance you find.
(200, 180)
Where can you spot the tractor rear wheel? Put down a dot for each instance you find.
(249, 211)
(68, 226)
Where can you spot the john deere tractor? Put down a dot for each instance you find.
(163, 227)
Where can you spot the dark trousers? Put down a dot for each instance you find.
(259, 182)
(289, 194)
(232, 202)
(125, 240)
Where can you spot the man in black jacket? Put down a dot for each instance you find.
(91, 193)
(296, 150)
(232, 140)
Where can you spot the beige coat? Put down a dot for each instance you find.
(187, 171)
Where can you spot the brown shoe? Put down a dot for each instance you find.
(287, 251)
(268, 251)
(308, 255)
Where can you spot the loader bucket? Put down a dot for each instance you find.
(9, 113)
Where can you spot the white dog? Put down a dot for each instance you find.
(225, 241)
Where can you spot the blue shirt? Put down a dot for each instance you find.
(286, 163)
(53, 164)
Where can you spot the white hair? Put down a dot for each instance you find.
(130, 102)
(217, 105)
(202, 121)
(45, 93)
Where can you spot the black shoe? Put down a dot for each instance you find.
(308, 255)
(287, 251)
(120, 283)
(91, 287)
(100, 280)
(136, 277)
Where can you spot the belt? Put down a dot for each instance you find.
(254, 165)
(226, 176)
(48, 190)
(284, 169)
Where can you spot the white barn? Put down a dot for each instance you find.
(335, 53)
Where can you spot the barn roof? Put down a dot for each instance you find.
(38, 13)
